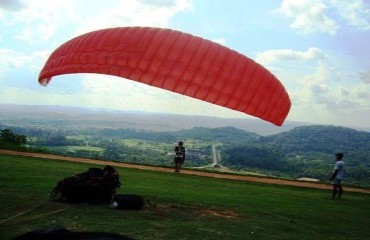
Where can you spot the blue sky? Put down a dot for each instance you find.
(319, 50)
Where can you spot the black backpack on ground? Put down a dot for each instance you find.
(93, 186)
(129, 202)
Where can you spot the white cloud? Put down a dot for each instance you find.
(221, 41)
(328, 88)
(134, 13)
(363, 93)
(312, 16)
(12, 61)
(37, 20)
(123, 94)
(271, 56)
(330, 99)
(365, 76)
(119, 93)
(355, 12)
(320, 100)
(11, 5)
(42, 20)
(308, 16)
(320, 90)
(304, 75)
(33, 34)
(344, 92)
(159, 2)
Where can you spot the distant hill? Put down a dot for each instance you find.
(78, 117)
(319, 138)
(306, 151)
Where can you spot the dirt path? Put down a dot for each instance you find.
(188, 172)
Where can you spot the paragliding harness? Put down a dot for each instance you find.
(93, 186)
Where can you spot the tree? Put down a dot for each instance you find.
(9, 137)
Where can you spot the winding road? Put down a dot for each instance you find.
(188, 172)
(216, 160)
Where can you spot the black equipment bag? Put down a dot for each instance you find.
(93, 186)
(129, 201)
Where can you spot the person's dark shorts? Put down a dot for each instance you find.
(179, 160)
(336, 181)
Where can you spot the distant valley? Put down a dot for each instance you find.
(296, 150)
(101, 118)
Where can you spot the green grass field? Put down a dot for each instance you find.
(186, 207)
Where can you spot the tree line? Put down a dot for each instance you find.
(8, 137)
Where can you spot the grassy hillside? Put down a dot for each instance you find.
(187, 207)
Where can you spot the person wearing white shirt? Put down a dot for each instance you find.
(337, 176)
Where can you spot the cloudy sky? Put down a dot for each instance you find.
(319, 50)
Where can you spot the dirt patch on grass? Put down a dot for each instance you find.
(197, 211)
(217, 213)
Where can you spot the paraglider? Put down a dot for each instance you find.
(178, 62)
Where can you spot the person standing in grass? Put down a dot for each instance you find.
(179, 155)
(337, 176)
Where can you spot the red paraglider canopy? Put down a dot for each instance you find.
(178, 62)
